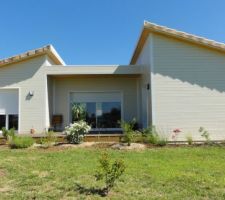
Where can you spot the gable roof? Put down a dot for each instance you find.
(155, 28)
(48, 50)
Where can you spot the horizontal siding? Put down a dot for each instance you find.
(189, 88)
(28, 76)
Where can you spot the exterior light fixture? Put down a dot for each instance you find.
(31, 93)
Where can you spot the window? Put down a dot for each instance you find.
(98, 109)
(109, 115)
(9, 121)
(13, 122)
(98, 114)
(2, 121)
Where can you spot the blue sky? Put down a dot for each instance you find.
(100, 31)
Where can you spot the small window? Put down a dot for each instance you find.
(13, 122)
(2, 121)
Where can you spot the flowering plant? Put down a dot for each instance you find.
(76, 131)
(176, 132)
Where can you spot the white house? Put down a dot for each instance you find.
(174, 80)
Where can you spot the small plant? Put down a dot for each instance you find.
(189, 139)
(154, 137)
(175, 134)
(109, 171)
(8, 133)
(205, 134)
(162, 141)
(21, 142)
(4, 132)
(151, 135)
(138, 137)
(128, 131)
(49, 139)
(78, 112)
(75, 132)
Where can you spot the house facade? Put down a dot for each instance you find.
(174, 80)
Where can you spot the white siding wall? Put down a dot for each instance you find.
(64, 85)
(28, 76)
(189, 88)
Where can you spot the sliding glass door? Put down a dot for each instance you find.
(100, 110)
(9, 108)
(9, 121)
(109, 114)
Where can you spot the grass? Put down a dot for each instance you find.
(160, 173)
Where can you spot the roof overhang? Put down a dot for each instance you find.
(154, 28)
(46, 50)
(94, 70)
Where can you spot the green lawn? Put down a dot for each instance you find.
(160, 173)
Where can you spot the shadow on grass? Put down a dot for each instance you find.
(91, 190)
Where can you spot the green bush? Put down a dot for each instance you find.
(4, 132)
(150, 134)
(153, 138)
(189, 139)
(109, 171)
(21, 142)
(128, 131)
(138, 137)
(49, 139)
(205, 134)
(8, 133)
(162, 141)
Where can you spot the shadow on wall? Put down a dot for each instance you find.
(189, 63)
(19, 72)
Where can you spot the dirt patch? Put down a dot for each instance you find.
(82, 145)
(5, 189)
(63, 146)
(133, 146)
(113, 145)
(2, 172)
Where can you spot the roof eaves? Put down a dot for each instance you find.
(154, 28)
(48, 49)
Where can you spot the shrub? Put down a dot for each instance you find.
(21, 142)
(4, 132)
(161, 141)
(153, 139)
(8, 133)
(205, 134)
(153, 136)
(128, 131)
(49, 139)
(76, 131)
(109, 171)
(189, 139)
(138, 137)
(78, 112)
(175, 134)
